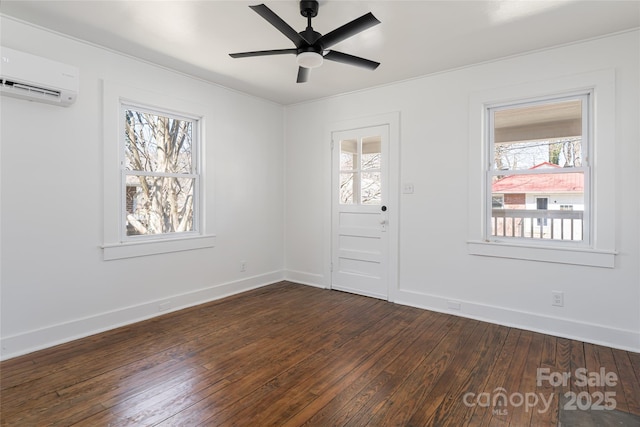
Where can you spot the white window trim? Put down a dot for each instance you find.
(600, 251)
(115, 245)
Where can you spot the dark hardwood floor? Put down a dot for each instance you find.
(290, 355)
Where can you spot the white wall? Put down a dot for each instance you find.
(55, 284)
(602, 305)
(270, 180)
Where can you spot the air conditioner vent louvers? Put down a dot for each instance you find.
(33, 90)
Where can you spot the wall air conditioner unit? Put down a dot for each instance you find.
(31, 77)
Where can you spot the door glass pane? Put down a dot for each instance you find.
(348, 154)
(346, 188)
(371, 152)
(371, 188)
(360, 176)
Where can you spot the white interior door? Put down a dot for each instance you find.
(360, 244)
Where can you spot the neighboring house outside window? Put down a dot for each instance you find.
(553, 193)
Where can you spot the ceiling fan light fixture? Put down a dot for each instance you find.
(309, 59)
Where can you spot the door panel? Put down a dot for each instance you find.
(359, 238)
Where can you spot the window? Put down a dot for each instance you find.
(497, 201)
(154, 173)
(593, 166)
(160, 174)
(539, 147)
(542, 203)
(360, 171)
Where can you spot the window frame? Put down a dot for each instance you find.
(116, 245)
(600, 252)
(585, 96)
(358, 171)
(195, 174)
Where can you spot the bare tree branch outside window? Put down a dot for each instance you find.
(159, 173)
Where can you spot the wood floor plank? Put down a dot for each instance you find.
(546, 410)
(563, 360)
(467, 374)
(334, 399)
(503, 410)
(328, 374)
(95, 363)
(523, 410)
(481, 415)
(372, 399)
(291, 355)
(230, 339)
(548, 356)
(635, 363)
(454, 374)
(597, 358)
(609, 363)
(577, 362)
(628, 380)
(246, 377)
(108, 383)
(272, 403)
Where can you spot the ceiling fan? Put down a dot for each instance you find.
(311, 47)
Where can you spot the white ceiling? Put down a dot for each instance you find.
(415, 38)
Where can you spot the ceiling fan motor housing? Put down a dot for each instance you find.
(309, 8)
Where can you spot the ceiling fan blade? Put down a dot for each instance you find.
(279, 23)
(263, 53)
(348, 30)
(345, 58)
(303, 74)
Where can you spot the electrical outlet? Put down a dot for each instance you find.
(557, 298)
(243, 266)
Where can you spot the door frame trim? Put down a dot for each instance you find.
(391, 119)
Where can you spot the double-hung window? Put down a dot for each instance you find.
(538, 157)
(160, 176)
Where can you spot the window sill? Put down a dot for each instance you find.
(574, 256)
(153, 247)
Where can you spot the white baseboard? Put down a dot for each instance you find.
(623, 339)
(49, 336)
